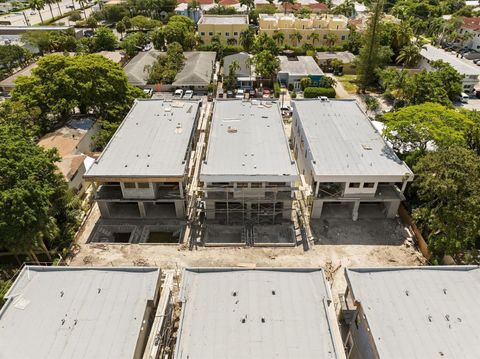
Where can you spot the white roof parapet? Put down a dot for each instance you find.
(248, 143)
(420, 312)
(343, 144)
(77, 312)
(152, 141)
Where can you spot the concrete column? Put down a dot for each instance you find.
(141, 208)
(180, 187)
(104, 210)
(210, 209)
(287, 210)
(249, 209)
(356, 205)
(317, 207)
(404, 185)
(316, 189)
(180, 208)
(392, 208)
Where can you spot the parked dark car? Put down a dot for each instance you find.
(230, 94)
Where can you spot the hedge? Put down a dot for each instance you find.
(276, 89)
(313, 92)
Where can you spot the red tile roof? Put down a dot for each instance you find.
(472, 23)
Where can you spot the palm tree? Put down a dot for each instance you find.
(284, 4)
(313, 37)
(279, 37)
(49, 3)
(247, 38)
(82, 4)
(331, 38)
(297, 37)
(58, 5)
(249, 4)
(38, 5)
(409, 55)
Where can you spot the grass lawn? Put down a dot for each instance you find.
(349, 82)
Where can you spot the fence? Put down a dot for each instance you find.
(407, 219)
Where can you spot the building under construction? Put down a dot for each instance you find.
(248, 175)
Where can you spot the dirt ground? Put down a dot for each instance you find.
(342, 243)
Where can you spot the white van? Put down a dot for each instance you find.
(464, 97)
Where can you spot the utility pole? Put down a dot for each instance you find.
(27, 22)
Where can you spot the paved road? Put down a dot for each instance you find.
(34, 19)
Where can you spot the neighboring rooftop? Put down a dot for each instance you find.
(247, 139)
(152, 141)
(245, 69)
(471, 23)
(345, 56)
(224, 20)
(76, 312)
(198, 69)
(432, 53)
(420, 312)
(67, 140)
(299, 66)
(136, 68)
(343, 141)
(257, 313)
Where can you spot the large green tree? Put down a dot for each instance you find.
(448, 185)
(36, 206)
(61, 84)
(266, 64)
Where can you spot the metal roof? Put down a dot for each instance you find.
(152, 141)
(137, 68)
(247, 138)
(299, 66)
(464, 67)
(76, 312)
(343, 142)
(257, 313)
(245, 69)
(420, 312)
(224, 19)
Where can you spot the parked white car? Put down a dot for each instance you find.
(178, 93)
(240, 94)
(188, 94)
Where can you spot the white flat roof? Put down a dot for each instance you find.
(433, 53)
(247, 139)
(76, 312)
(343, 144)
(224, 19)
(299, 66)
(420, 312)
(256, 313)
(152, 141)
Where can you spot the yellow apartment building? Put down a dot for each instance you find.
(311, 30)
(225, 26)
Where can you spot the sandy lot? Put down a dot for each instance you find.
(365, 243)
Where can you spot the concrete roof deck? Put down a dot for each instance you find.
(420, 312)
(76, 312)
(299, 66)
(344, 144)
(464, 67)
(256, 313)
(224, 19)
(152, 141)
(248, 143)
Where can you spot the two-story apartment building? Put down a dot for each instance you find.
(347, 163)
(313, 30)
(464, 67)
(142, 172)
(248, 175)
(226, 27)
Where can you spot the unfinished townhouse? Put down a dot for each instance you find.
(412, 312)
(351, 170)
(140, 178)
(257, 313)
(248, 175)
